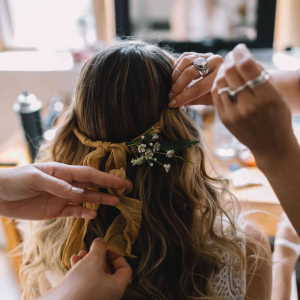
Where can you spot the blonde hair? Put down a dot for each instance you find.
(121, 93)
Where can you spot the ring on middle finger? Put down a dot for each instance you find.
(201, 65)
(232, 93)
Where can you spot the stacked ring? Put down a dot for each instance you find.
(262, 78)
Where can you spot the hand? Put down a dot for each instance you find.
(258, 117)
(185, 73)
(50, 190)
(89, 279)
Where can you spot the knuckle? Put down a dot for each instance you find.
(186, 60)
(218, 59)
(191, 72)
(220, 82)
(230, 71)
(247, 65)
(36, 176)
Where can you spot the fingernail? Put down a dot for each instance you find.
(77, 190)
(172, 103)
(171, 94)
(240, 52)
(244, 48)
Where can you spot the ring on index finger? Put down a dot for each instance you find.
(201, 65)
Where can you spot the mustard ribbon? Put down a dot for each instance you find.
(124, 230)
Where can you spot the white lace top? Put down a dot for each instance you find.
(230, 282)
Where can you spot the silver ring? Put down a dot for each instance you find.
(241, 88)
(232, 93)
(201, 65)
(262, 78)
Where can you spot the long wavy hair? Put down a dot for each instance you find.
(122, 92)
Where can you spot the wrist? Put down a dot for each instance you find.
(277, 160)
(2, 185)
(285, 263)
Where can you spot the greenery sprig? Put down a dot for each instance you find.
(151, 149)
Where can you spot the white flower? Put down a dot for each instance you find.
(170, 153)
(167, 167)
(142, 137)
(138, 161)
(142, 148)
(155, 136)
(156, 147)
(149, 154)
(151, 144)
(151, 164)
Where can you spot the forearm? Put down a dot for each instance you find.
(288, 85)
(283, 174)
(282, 280)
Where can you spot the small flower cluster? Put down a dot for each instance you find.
(150, 149)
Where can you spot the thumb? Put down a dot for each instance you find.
(59, 187)
(98, 250)
(123, 272)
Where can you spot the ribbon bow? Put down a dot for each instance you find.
(122, 233)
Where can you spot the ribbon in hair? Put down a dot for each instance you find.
(122, 233)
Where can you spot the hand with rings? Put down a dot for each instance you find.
(250, 106)
(193, 77)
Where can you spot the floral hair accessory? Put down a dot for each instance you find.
(151, 149)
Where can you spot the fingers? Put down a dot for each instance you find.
(64, 190)
(196, 91)
(184, 91)
(190, 73)
(99, 198)
(76, 258)
(202, 100)
(234, 79)
(249, 69)
(123, 272)
(77, 211)
(101, 179)
(57, 187)
(98, 249)
(184, 60)
(82, 174)
(222, 101)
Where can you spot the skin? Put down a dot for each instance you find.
(284, 260)
(261, 120)
(287, 83)
(51, 190)
(259, 279)
(183, 74)
(96, 281)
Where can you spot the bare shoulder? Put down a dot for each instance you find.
(258, 264)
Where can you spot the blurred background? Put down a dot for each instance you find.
(43, 44)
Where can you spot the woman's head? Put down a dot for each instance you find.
(121, 93)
